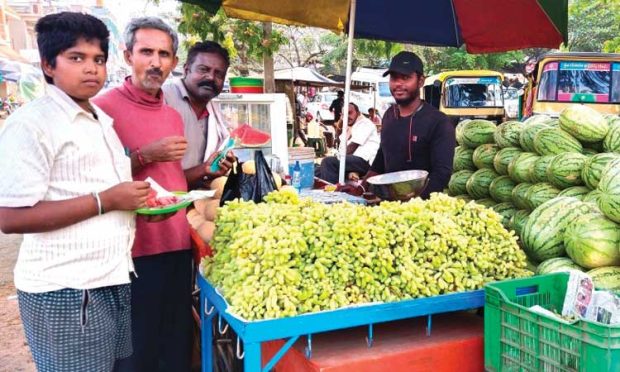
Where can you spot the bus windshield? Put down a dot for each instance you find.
(474, 92)
(580, 81)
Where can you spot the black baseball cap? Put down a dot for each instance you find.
(405, 63)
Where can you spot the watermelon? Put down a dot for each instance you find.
(486, 202)
(611, 143)
(457, 183)
(584, 123)
(503, 158)
(593, 168)
(519, 167)
(479, 182)
(538, 173)
(506, 210)
(540, 193)
(589, 152)
(606, 278)
(465, 197)
(501, 189)
(553, 141)
(478, 132)
(518, 220)
(593, 197)
(576, 192)
(507, 134)
(609, 185)
(526, 139)
(518, 195)
(483, 156)
(553, 123)
(557, 265)
(543, 234)
(463, 159)
(565, 169)
(536, 119)
(459, 131)
(246, 136)
(592, 241)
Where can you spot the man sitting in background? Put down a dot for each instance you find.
(362, 144)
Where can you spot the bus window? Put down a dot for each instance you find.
(548, 82)
(474, 92)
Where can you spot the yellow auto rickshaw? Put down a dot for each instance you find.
(466, 94)
(560, 79)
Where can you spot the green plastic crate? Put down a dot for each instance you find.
(517, 339)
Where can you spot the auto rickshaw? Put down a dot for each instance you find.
(561, 79)
(466, 94)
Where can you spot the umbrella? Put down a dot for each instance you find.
(483, 26)
(306, 75)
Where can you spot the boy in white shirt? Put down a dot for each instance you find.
(67, 187)
(362, 146)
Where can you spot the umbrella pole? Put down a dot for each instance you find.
(347, 90)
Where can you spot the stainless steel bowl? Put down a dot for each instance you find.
(399, 185)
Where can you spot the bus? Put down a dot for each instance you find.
(369, 88)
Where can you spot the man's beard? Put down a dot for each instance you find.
(406, 101)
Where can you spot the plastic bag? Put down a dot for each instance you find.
(249, 187)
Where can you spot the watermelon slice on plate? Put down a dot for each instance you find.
(246, 136)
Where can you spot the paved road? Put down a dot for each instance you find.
(14, 352)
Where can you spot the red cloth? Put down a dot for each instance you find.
(140, 119)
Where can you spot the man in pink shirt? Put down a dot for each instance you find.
(153, 134)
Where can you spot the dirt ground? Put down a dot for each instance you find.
(14, 352)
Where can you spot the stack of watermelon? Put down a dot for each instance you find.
(556, 183)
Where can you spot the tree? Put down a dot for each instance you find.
(244, 40)
(592, 23)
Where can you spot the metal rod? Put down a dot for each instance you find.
(370, 337)
(347, 90)
(429, 324)
(309, 347)
(276, 358)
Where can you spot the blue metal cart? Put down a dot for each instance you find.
(252, 334)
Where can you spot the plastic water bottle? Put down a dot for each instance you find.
(296, 179)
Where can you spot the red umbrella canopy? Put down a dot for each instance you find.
(482, 25)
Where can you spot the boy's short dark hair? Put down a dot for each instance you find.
(60, 31)
(207, 47)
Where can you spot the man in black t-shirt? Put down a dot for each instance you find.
(336, 106)
(414, 134)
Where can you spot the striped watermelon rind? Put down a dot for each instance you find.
(611, 143)
(463, 159)
(506, 210)
(518, 195)
(459, 131)
(479, 182)
(543, 234)
(593, 168)
(576, 192)
(458, 180)
(501, 189)
(478, 132)
(554, 141)
(584, 123)
(538, 173)
(592, 241)
(540, 193)
(503, 158)
(609, 185)
(606, 278)
(593, 197)
(556, 265)
(589, 152)
(519, 167)
(507, 134)
(536, 119)
(518, 220)
(483, 156)
(565, 170)
(486, 202)
(526, 139)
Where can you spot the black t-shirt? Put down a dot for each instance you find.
(337, 107)
(424, 140)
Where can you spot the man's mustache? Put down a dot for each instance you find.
(155, 71)
(209, 84)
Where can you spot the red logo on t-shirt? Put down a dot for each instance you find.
(414, 138)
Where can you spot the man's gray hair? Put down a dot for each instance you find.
(146, 23)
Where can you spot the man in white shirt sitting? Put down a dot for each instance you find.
(362, 145)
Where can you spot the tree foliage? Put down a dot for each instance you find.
(593, 25)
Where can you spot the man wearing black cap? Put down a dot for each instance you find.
(414, 134)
